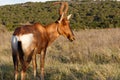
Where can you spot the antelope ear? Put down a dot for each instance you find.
(69, 16)
(61, 18)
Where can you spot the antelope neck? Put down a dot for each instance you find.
(53, 32)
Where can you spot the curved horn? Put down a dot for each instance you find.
(66, 9)
(64, 5)
(61, 18)
(61, 8)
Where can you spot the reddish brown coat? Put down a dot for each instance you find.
(42, 38)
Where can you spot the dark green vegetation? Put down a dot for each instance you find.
(91, 14)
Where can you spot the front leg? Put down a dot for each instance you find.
(34, 64)
(42, 62)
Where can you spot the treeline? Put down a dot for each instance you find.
(85, 14)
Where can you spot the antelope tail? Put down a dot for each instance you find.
(20, 48)
(20, 51)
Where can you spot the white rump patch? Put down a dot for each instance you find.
(25, 39)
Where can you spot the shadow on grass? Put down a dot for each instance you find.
(6, 72)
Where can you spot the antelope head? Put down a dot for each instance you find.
(64, 23)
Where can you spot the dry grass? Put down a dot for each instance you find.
(94, 55)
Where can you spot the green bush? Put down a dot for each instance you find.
(85, 14)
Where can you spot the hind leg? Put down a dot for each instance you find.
(25, 64)
(15, 61)
(24, 68)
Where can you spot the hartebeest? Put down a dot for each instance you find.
(29, 40)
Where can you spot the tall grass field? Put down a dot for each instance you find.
(94, 55)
